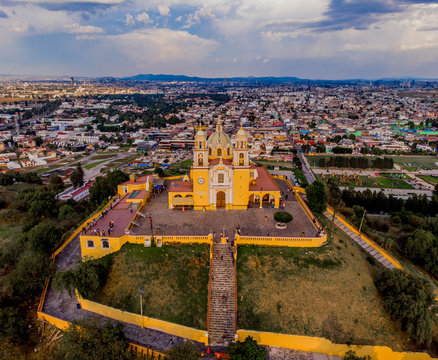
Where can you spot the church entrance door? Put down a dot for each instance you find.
(220, 199)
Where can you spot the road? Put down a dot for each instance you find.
(305, 165)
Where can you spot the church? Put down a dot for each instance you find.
(222, 177)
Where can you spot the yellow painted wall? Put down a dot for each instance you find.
(116, 243)
(324, 346)
(366, 239)
(281, 241)
(200, 191)
(240, 188)
(135, 319)
(60, 324)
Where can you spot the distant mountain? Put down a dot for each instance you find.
(163, 77)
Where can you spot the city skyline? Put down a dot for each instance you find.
(316, 39)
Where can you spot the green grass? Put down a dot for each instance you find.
(92, 165)
(179, 168)
(371, 182)
(174, 280)
(300, 177)
(40, 171)
(102, 156)
(10, 232)
(326, 292)
(281, 164)
(430, 179)
(414, 163)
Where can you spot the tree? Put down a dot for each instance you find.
(316, 195)
(87, 339)
(185, 351)
(88, 277)
(13, 323)
(44, 237)
(56, 182)
(30, 273)
(159, 171)
(77, 177)
(247, 350)
(408, 299)
(320, 148)
(100, 191)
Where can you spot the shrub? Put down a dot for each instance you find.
(30, 273)
(408, 299)
(351, 355)
(88, 277)
(283, 216)
(186, 351)
(247, 350)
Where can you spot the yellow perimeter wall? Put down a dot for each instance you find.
(371, 243)
(324, 346)
(167, 327)
(281, 241)
(116, 243)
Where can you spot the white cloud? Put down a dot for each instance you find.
(83, 29)
(108, 2)
(163, 9)
(129, 20)
(158, 45)
(143, 18)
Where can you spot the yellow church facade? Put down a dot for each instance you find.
(223, 177)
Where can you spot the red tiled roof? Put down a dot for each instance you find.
(264, 182)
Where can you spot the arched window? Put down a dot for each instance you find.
(209, 151)
(241, 159)
(219, 152)
(90, 244)
(200, 160)
(105, 244)
(228, 152)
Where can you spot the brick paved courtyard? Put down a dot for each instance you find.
(252, 221)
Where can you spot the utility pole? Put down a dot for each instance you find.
(361, 222)
(141, 305)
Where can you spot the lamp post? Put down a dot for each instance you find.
(141, 305)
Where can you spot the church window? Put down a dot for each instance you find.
(90, 244)
(241, 159)
(105, 244)
(220, 178)
(200, 160)
(219, 152)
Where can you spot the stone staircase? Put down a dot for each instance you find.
(222, 297)
(363, 244)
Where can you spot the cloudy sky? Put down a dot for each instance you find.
(325, 39)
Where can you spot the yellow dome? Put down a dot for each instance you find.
(219, 138)
(219, 144)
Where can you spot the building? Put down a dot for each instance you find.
(223, 177)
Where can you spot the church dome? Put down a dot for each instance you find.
(219, 144)
(241, 132)
(219, 138)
